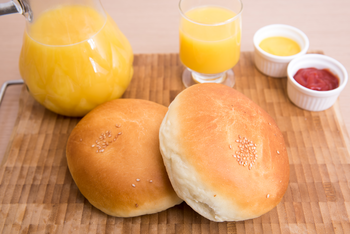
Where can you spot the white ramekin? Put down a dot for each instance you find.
(272, 65)
(313, 100)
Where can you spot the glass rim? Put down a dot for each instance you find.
(216, 24)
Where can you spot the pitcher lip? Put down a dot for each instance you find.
(71, 44)
(216, 24)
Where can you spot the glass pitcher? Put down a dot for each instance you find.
(73, 56)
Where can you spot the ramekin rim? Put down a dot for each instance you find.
(316, 92)
(282, 58)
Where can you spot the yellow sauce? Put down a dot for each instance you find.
(280, 46)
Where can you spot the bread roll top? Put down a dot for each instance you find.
(225, 155)
(113, 156)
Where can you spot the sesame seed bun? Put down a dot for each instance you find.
(225, 156)
(113, 156)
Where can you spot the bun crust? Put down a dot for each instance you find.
(127, 177)
(207, 141)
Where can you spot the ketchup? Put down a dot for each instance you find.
(316, 79)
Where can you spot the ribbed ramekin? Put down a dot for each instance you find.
(273, 65)
(313, 100)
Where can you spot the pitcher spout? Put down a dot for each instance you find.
(16, 6)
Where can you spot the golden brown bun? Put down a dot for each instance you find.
(128, 178)
(198, 142)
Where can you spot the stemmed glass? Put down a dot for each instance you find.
(210, 40)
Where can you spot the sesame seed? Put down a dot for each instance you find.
(137, 180)
(96, 151)
(81, 139)
(269, 123)
(150, 181)
(93, 146)
(234, 155)
(278, 152)
(230, 147)
(268, 195)
(119, 133)
(133, 185)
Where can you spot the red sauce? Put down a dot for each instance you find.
(316, 79)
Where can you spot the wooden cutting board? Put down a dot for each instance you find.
(38, 195)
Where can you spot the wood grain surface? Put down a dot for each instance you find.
(152, 27)
(38, 195)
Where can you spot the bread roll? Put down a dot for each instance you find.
(113, 156)
(224, 155)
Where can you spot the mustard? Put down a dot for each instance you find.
(280, 46)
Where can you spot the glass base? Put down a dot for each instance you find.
(190, 77)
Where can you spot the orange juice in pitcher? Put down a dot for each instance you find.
(74, 58)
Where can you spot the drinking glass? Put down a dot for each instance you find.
(210, 40)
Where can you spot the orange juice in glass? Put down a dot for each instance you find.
(210, 39)
(74, 57)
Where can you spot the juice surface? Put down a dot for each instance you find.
(74, 59)
(210, 49)
(280, 46)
